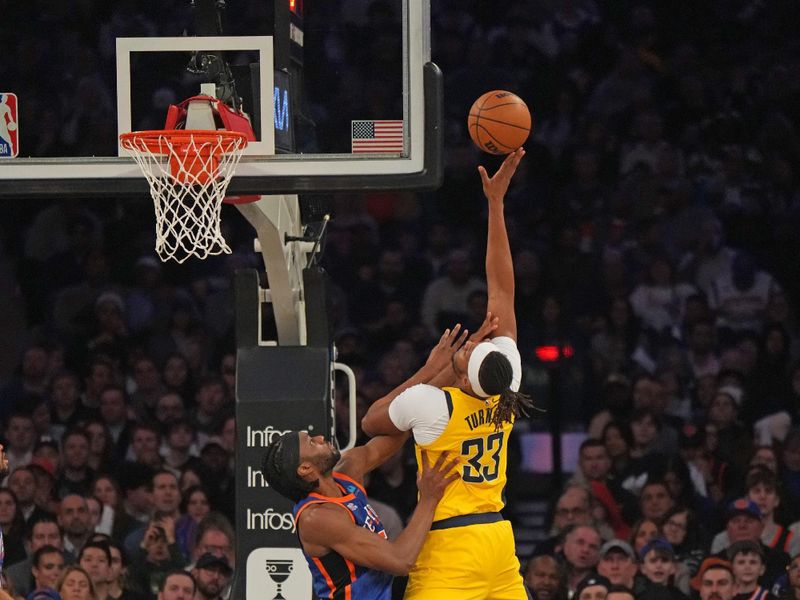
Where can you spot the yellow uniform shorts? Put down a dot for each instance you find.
(473, 562)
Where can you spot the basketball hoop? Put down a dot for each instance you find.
(188, 172)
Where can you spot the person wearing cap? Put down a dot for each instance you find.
(747, 562)
(618, 563)
(761, 485)
(657, 565)
(345, 544)
(472, 416)
(743, 522)
(592, 587)
(714, 579)
(211, 574)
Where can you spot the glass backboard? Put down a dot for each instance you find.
(346, 102)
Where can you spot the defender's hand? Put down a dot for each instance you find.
(442, 353)
(490, 323)
(433, 480)
(496, 187)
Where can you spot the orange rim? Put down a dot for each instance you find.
(179, 137)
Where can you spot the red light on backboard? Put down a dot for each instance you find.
(296, 6)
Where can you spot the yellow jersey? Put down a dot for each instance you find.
(471, 436)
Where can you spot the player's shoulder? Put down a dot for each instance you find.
(421, 390)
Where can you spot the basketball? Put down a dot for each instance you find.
(499, 122)
(12, 125)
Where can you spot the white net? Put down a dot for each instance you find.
(188, 173)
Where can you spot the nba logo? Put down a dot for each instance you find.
(9, 135)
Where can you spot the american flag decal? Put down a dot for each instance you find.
(377, 136)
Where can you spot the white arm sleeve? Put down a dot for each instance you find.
(423, 410)
(508, 347)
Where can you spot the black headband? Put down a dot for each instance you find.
(290, 453)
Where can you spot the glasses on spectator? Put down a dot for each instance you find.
(676, 524)
(571, 512)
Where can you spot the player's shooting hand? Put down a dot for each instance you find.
(490, 323)
(495, 187)
(442, 353)
(433, 480)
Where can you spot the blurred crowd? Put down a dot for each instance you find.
(653, 224)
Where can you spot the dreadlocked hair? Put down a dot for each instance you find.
(495, 376)
(280, 476)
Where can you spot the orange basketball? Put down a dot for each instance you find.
(499, 122)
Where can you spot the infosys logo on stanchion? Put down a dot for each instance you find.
(270, 520)
(261, 438)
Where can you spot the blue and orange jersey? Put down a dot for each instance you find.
(335, 577)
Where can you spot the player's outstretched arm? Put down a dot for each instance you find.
(327, 526)
(360, 460)
(377, 421)
(499, 266)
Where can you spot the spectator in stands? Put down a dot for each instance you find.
(761, 487)
(210, 399)
(177, 585)
(618, 563)
(20, 435)
(195, 506)
(793, 570)
(592, 587)
(169, 407)
(215, 535)
(12, 525)
(687, 538)
(47, 564)
(147, 380)
(75, 584)
(655, 501)
(41, 533)
(74, 521)
(714, 580)
(618, 440)
(180, 445)
(657, 565)
(747, 563)
(580, 551)
(76, 475)
(107, 490)
(101, 445)
(145, 445)
(594, 470)
(740, 297)
(165, 498)
(156, 555)
(572, 508)
(212, 574)
(734, 441)
(95, 559)
(22, 483)
(101, 374)
(177, 377)
(66, 409)
(644, 531)
(744, 523)
(113, 401)
(32, 380)
(545, 578)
